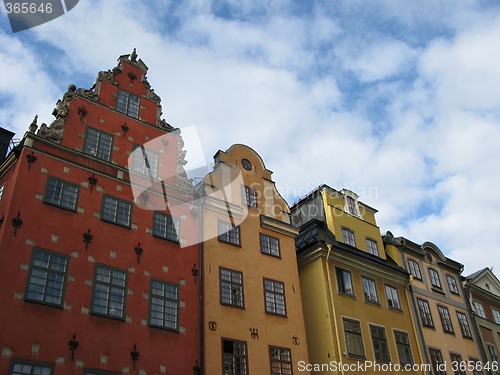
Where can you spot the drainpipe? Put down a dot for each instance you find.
(202, 283)
(339, 352)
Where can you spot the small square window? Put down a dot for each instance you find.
(392, 297)
(116, 211)
(369, 290)
(281, 361)
(231, 287)
(145, 162)
(165, 226)
(372, 247)
(47, 277)
(109, 292)
(21, 367)
(269, 245)
(98, 144)
(344, 282)
(128, 103)
(249, 197)
(274, 293)
(61, 193)
(164, 305)
(348, 237)
(229, 233)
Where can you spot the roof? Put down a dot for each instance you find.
(316, 231)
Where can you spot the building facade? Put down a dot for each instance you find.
(354, 297)
(96, 279)
(253, 320)
(482, 290)
(446, 331)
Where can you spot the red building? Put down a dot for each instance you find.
(94, 279)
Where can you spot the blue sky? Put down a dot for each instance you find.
(398, 101)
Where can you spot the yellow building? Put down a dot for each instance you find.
(253, 320)
(356, 310)
(447, 333)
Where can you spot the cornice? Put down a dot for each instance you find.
(278, 226)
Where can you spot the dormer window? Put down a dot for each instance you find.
(128, 103)
(351, 202)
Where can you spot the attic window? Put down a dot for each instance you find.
(127, 103)
(351, 202)
(245, 163)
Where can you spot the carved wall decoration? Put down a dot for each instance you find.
(54, 131)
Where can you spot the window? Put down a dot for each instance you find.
(414, 269)
(165, 226)
(20, 367)
(444, 314)
(145, 161)
(403, 347)
(369, 290)
(2, 187)
(349, 237)
(353, 338)
(109, 291)
(275, 297)
(476, 366)
(372, 247)
(116, 211)
(452, 284)
(249, 197)
(127, 103)
(47, 277)
(392, 297)
(344, 282)
(464, 325)
(281, 361)
(425, 313)
(496, 315)
(380, 347)
(434, 278)
(61, 193)
(229, 233)
(98, 144)
(492, 350)
(234, 357)
(437, 361)
(269, 245)
(164, 305)
(352, 208)
(231, 287)
(458, 364)
(479, 309)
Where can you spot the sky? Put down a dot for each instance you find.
(398, 101)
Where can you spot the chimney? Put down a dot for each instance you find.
(5, 138)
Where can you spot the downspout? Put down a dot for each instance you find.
(339, 352)
(202, 283)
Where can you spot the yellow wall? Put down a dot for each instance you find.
(235, 323)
